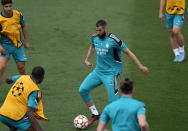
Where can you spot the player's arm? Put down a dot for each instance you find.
(24, 30)
(101, 126)
(2, 50)
(144, 126)
(32, 106)
(136, 61)
(90, 52)
(162, 5)
(103, 120)
(12, 79)
(35, 125)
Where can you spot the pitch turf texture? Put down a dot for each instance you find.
(60, 34)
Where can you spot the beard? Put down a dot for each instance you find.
(102, 36)
(9, 13)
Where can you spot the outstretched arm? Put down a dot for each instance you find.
(26, 43)
(162, 5)
(12, 79)
(136, 61)
(90, 52)
(35, 125)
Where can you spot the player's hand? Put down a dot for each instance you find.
(161, 17)
(9, 80)
(2, 51)
(144, 69)
(88, 64)
(26, 45)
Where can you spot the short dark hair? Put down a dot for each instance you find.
(38, 72)
(3, 2)
(101, 23)
(126, 86)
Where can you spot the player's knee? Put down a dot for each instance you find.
(175, 32)
(82, 91)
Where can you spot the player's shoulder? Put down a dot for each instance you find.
(115, 104)
(115, 38)
(18, 12)
(139, 103)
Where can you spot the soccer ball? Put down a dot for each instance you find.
(80, 122)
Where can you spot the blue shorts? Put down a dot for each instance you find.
(17, 53)
(95, 79)
(174, 20)
(21, 125)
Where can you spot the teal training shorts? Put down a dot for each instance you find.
(17, 53)
(21, 125)
(174, 20)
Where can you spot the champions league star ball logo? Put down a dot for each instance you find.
(17, 89)
(107, 45)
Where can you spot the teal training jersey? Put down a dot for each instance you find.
(108, 52)
(4, 38)
(123, 113)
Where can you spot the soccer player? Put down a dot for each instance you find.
(126, 114)
(109, 66)
(23, 104)
(11, 21)
(175, 13)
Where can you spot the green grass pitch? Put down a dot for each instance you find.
(60, 34)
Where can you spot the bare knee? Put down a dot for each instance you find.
(176, 32)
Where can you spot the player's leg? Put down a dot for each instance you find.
(21, 67)
(111, 84)
(91, 82)
(3, 62)
(177, 25)
(173, 39)
(20, 58)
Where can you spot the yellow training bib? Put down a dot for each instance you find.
(175, 6)
(15, 106)
(11, 27)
